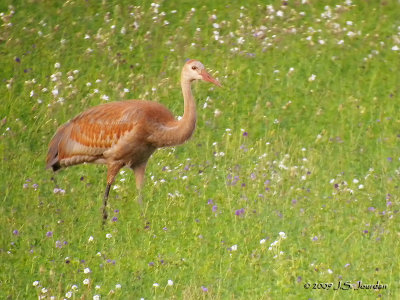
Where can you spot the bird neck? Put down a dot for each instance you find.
(187, 124)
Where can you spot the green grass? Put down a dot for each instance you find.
(274, 151)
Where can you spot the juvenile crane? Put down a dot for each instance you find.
(126, 133)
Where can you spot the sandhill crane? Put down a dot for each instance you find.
(126, 133)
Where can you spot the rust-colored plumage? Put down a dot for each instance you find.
(125, 133)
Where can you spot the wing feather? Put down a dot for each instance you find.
(91, 135)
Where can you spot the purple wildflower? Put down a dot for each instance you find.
(15, 232)
(214, 208)
(165, 228)
(151, 264)
(245, 134)
(390, 159)
(371, 208)
(204, 289)
(116, 211)
(115, 219)
(389, 203)
(315, 238)
(49, 233)
(239, 212)
(59, 244)
(210, 201)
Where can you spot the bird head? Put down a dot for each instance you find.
(195, 70)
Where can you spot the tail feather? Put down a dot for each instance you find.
(52, 160)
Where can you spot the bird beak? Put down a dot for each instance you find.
(209, 78)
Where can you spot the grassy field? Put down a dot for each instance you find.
(288, 188)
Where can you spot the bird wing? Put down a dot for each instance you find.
(97, 129)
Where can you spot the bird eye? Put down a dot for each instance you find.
(194, 68)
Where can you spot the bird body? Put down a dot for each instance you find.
(125, 133)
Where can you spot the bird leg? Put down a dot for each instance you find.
(105, 203)
(112, 171)
(139, 175)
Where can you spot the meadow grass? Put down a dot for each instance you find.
(291, 177)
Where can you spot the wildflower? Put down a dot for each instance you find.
(170, 282)
(234, 248)
(35, 283)
(282, 235)
(395, 48)
(204, 289)
(87, 270)
(90, 239)
(86, 281)
(96, 297)
(74, 287)
(312, 77)
(117, 286)
(263, 241)
(108, 235)
(239, 212)
(15, 232)
(57, 65)
(49, 233)
(68, 294)
(156, 284)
